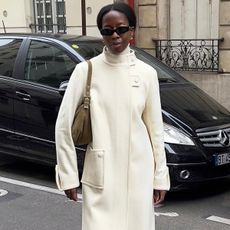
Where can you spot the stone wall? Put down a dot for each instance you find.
(154, 23)
(16, 17)
(225, 33)
(147, 24)
(217, 85)
(74, 17)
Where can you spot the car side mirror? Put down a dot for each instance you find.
(62, 87)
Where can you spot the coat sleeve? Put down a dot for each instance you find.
(152, 117)
(66, 168)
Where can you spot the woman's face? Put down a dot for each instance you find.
(117, 42)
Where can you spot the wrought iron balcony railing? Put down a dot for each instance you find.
(189, 54)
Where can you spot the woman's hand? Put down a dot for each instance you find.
(158, 196)
(71, 194)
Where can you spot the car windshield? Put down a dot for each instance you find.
(165, 74)
(87, 49)
(90, 49)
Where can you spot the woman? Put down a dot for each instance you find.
(125, 166)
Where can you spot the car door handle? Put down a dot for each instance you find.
(23, 96)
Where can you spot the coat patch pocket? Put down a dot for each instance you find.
(93, 173)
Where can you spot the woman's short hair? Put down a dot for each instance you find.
(122, 8)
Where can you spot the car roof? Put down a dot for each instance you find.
(62, 37)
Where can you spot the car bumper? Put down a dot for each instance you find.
(184, 175)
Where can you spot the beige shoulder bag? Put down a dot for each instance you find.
(81, 127)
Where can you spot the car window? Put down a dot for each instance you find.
(46, 64)
(87, 49)
(8, 53)
(165, 74)
(162, 74)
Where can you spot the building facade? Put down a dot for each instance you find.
(192, 36)
(184, 20)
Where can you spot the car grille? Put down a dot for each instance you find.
(215, 138)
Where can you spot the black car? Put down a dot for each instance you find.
(34, 72)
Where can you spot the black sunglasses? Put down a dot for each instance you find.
(119, 30)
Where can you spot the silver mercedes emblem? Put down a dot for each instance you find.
(224, 138)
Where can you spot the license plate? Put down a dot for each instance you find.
(222, 159)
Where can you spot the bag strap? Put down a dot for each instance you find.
(88, 84)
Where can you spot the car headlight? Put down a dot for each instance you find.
(175, 136)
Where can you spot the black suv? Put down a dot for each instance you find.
(34, 72)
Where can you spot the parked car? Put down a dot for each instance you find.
(34, 72)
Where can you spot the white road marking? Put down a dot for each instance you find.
(219, 219)
(170, 214)
(3, 192)
(36, 187)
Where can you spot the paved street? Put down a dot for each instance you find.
(192, 210)
(29, 200)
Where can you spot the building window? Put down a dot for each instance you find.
(49, 16)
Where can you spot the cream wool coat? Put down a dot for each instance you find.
(126, 159)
